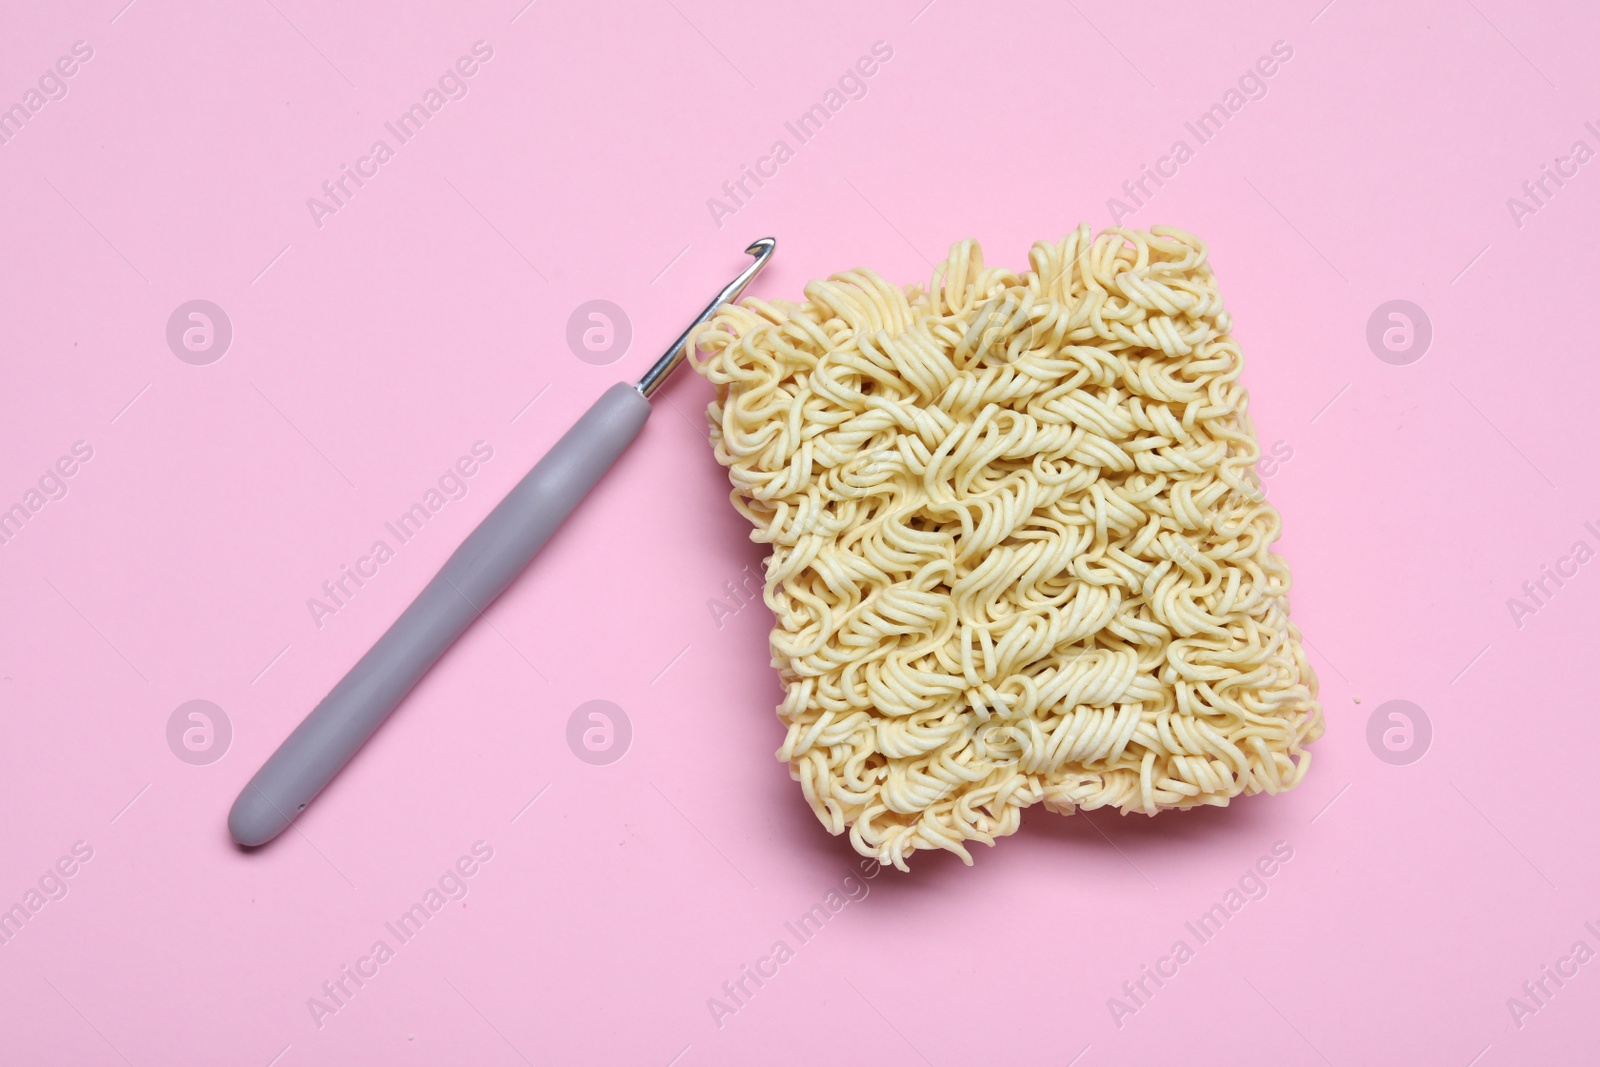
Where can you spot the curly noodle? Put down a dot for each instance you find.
(1019, 551)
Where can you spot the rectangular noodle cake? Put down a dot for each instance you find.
(1019, 550)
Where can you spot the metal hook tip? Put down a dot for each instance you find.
(762, 249)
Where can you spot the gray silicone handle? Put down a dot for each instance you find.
(487, 561)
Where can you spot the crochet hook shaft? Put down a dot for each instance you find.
(478, 572)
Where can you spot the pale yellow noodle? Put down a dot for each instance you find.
(1019, 551)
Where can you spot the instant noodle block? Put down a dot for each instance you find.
(1019, 553)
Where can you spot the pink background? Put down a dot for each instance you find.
(369, 353)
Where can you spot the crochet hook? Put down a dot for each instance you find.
(478, 572)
